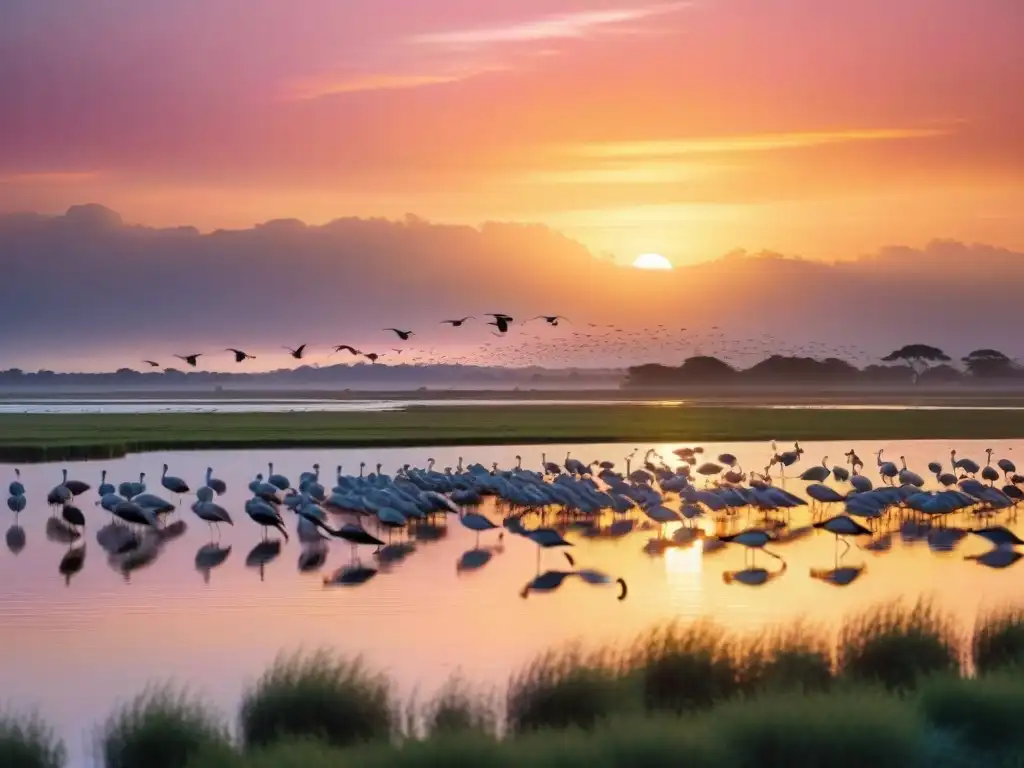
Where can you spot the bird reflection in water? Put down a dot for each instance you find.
(840, 576)
(208, 557)
(350, 576)
(477, 558)
(312, 557)
(945, 539)
(391, 554)
(262, 554)
(1003, 553)
(15, 539)
(61, 532)
(753, 576)
(72, 563)
(551, 580)
(140, 556)
(998, 557)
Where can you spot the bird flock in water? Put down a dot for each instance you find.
(392, 514)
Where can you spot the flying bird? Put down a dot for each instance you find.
(403, 335)
(351, 350)
(551, 319)
(190, 359)
(151, 363)
(457, 323)
(397, 351)
(501, 322)
(373, 357)
(240, 356)
(298, 352)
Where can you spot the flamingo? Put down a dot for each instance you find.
(219, 486)
(16, 488)
(886, 469)
(173, 484)
(989, 472)
(967, 465)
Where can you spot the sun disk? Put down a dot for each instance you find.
(652, 261)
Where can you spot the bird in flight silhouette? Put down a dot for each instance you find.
(457, 323)
(298, 352)
(501, 322)
(403, 335)
(190, 359)
(351, 349)
(151, 363)
(373, 357)
(240, 356)
(551, 319)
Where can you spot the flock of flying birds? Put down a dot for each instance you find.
(500, 321)
(587, 344)
(706, 501)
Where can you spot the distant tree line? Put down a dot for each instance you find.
(912, 364)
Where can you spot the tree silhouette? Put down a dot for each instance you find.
(989, 364)
(918, 357)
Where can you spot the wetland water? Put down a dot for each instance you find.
(74, 649)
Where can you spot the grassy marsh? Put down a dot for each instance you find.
(61, 437)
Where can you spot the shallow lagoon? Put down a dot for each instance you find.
(74, 649)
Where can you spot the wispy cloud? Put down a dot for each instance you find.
(378, 81)
(565, 26)
(753, 143)
(623, 173)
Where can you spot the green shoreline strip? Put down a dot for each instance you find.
(64, 437)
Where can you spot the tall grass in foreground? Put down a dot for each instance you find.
(795, 657)
(26, 741)
(896, 646)
(998, 640)
(318, 696)
(681, 668)
(161, 728)
(561, 689)
(893, 685)
(456, 708)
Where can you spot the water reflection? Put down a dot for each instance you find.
(72, 563)
(263, 553)
(350, 576)
(840, 576)
(753, 576)
(15, 539)
(210, 556)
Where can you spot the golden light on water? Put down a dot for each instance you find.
(685, 561)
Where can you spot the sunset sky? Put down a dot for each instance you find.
(822, 129)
